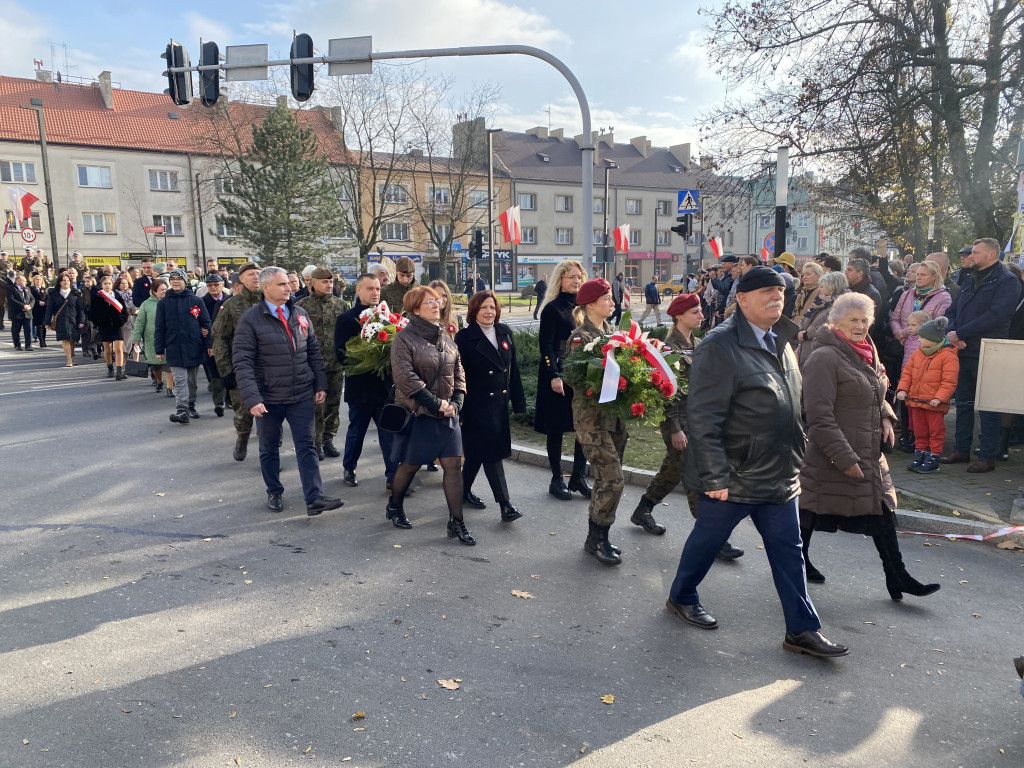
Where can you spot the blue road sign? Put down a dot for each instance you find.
(456, 246)
(689, 201)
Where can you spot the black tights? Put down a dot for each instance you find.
(579, 461)
(494, 471)
(451, 482)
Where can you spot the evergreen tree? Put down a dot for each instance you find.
(283, 201)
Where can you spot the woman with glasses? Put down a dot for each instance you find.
(431, 384)
(553, 412)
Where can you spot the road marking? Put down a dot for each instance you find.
(51, 386)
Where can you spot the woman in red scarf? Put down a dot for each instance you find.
(845, 483)
(108, 313)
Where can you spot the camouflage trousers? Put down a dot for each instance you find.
(604, 451)
(243, 419)
(328, 417)
(670, 475)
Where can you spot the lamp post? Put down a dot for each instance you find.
(38, 109)
(657, 210)
(781, 193)
(490, 198)
(607, 170)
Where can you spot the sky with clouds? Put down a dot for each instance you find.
(642, 67)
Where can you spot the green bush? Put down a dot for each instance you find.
(528, 356)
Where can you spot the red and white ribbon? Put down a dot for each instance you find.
(647, 348)
(970, 536)
(111, 300)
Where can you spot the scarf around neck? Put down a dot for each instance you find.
(930, 348)
(862, 348)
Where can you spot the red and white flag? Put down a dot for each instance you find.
(716, 247)
(21, 202)
(510, 225)
(71, 230)
(620, 237)
(8, 224)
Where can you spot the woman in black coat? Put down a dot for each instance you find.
(38, 291)
(64, 302)
(553, 414)
(109, 314)
(492, 381)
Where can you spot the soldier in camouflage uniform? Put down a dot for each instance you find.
(30, 263)
(45, 262)
(405, 280)
(323, 308)
(602, 435)
(223, 335)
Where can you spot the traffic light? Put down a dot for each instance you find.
(683, 228)
(179, 84)
(209, 79)
(478, 241)
(302, 74)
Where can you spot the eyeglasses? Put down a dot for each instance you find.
(433, 302)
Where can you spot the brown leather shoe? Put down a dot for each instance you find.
(981, 466)
(956, 457)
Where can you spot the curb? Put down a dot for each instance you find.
(906, 519)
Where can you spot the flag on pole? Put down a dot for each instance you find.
(510, 225)
(716, 247)
(71, 230)
(8, 224)
(621, 238)
(21, 202)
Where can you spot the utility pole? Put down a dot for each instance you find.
(46, 183)
(202, 233)
(490, 199)
(781, 196)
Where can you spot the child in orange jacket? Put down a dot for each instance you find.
(927, 385)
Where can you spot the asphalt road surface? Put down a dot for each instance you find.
(155, 614)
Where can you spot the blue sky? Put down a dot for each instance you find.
(642, 66)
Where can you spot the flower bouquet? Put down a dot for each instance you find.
(624, 373)
(370, 351)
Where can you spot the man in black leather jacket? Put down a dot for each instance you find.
(746, 447)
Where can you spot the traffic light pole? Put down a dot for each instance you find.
(587, 255)
(781, 198)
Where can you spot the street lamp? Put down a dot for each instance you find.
(490, 198)
(38, 109)
(607, 170)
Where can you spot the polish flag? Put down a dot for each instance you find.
(71, 230)
(764, 254)
(716, 246)
(621, 238)
(21, 202)
(9, 223)
(510, 225)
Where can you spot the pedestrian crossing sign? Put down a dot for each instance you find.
(688, 201)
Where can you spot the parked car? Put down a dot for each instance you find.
(674, 286)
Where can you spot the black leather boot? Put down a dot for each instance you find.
(642, 516)
(597, 544)
(119, 374)
(578, 482)
(241, 448)
(897, 580)
(814, 576)
(396, 514)
(557, 489)
(110, 371)
(509, 513)
(457, 528)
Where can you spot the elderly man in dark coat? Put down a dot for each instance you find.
(744, 456)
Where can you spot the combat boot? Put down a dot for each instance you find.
(642, 516)
(119, 374)
(241, 448)
(597, 544)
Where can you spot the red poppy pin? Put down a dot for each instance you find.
(504, 345)
(195, 310)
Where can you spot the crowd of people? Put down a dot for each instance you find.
(794, 385)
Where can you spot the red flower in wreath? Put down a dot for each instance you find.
(622, 383)
(362, 320)
(382, 335)
(656, 378)
(666, 389)
(590, 393)
(638, 409)
(634, 359)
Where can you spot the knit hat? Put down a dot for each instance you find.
(247, 266)
(592, 290)
(159, 268)
(178, 274)
(683, 303)
(321, 273)
(785, 258)
(934, 330)
(759, 277)
(406, 265)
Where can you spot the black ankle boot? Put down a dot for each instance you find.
(642, 516)
(110, 371)
(457, 528)
(578, 482)
(557, 489)
(597, 544)
(396, 514)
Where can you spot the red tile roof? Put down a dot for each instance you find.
(75, 115)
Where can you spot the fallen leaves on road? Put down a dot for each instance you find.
(608, 699)
(358, 716)
(520, 593)
(161, 494)
(976, 615)
(450, 685)
(534, 575)
(238, 761)
(307, 749)
(232, 715)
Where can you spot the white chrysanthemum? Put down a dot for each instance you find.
(590, 347)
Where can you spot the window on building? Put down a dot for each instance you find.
(478, 198)
(766, 221)
(634, 236)
(225, 185)
(344, 194)
(441, 232)
(16, 171)
(662, 237)
(633, 207)
(223, 230)
(632, 272)
(664, 207)
(394, 193)
(801, 243)
(32, 222)
(803, 220)
(563, 236)
(98, 223)
(563, 203)
(529, 236)
(94, 176)
(528, 201)
(598, 205)
(598, 237)
(440, 196)
(163, 181)
(171, 225)
(394, 230)
(729, 239)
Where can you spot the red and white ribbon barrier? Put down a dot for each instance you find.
(971, 536)
(647, 348)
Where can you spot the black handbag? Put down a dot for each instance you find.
(395, 417)
(136, 368)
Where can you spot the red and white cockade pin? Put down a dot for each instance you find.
(195, 310)
(504, 345)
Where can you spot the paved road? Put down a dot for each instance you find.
(154, 614)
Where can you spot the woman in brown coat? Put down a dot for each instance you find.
(431, 384)
(845, 483)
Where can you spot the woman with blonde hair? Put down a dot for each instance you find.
(553, 412)
(451, 321)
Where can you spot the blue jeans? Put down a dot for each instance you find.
(17, 325)
(779, 527)
(359, 417)
(300, 416)
(966, 386)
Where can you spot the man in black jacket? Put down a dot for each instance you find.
(280, 376)
(746, 447)
(539, 289)
(213, 299)
(365, 393)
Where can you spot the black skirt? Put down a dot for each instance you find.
(426, 438)
(865, 525)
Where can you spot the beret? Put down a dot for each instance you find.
(321, 273)
(683, 303)
(592, 290)
(759, 277)
(247, 266)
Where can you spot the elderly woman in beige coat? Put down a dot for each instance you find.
(431, 384)
(845, 483)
